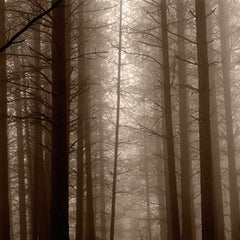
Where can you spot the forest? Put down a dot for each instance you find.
(119, 120)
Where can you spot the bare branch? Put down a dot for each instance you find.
(12, 41)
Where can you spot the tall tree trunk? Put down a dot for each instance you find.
(161, 186)
(207, 203)
(21, 168)
(60, 159)
(217, 182)
(102, 169)
(168, 125)
(162, 179)
(187, 232)
(46, 151)
(29, 163)
(226, 67)
(115, 161)
(4, 188)
(85, 123)
(146, 169)
(90, 224)
(40, 202)
(80, 169)
(80, 135)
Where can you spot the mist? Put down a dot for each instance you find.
(119, 120)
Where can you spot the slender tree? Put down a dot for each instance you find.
(59, 228)
(4, 189)
(226, 67)
(40, 203)
(217, 183)
(168, 125)
(207, 204)
(80, 134)
(90, 223)
(116, 145)
(187, 232)
(102, 168)
(21, 168)
(147, 189)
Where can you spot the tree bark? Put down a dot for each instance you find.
(168, 126)
(90, 224)
(187, 232)
(217, 182)
(226, 66)
(4, 188)
(21, 168)
(60, 159)
(147, 190)
(40, 203)
(102, 169)
(80, 130)
(116, 144)
(29, 163)
(206, 179)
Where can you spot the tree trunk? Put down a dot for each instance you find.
(146, 170)
(90, 228)
(161, 186)
(226, 66)
(187, 232)
(168, 125)
(217, 182)
(80, 135)
(80, 170)
(4, 188)
(115, 161)
(207, 204)
(29, 163)
(40, 202)
(60, 159)
(102, 169)
(21, 168)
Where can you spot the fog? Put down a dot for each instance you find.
(119, 120)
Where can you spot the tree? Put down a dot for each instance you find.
(21, 169)
(59, 192)
(4, 190)
(187, 232)
(226, 66)
(40, 203)
(217, 181)
(168, 125)
(116, 144)
(207, 204)
(80, 131)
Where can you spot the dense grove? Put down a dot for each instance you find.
(119, 119)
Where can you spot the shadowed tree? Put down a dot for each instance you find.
(4, 189)
(168, 125)
(116, 144)
(59, 192)
(226, 68)
(206, 179)
(187, 232)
